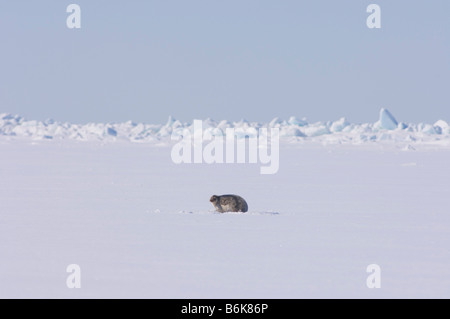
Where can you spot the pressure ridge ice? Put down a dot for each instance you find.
(386, 128)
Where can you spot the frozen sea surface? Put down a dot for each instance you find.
(140, 226)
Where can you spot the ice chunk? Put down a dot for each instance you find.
(441, 123)
(111, 131)
(339, 125)
(209, 123)
(291, 131)
(275, 122)
(427, 128)
(295, 121)
(441, 127)
(402, 126)
(6, 116)
(387, 120)
(316, 130)
(438, 129)
(172, 122)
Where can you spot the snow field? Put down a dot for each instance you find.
(140, 226)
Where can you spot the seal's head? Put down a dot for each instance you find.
(214, 199)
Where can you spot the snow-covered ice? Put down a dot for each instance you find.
(346, 196)
(340, 131)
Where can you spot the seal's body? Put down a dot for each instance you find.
(229, 203)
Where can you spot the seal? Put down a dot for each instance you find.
(229, 203)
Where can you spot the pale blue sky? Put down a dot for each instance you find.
(145, 60)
